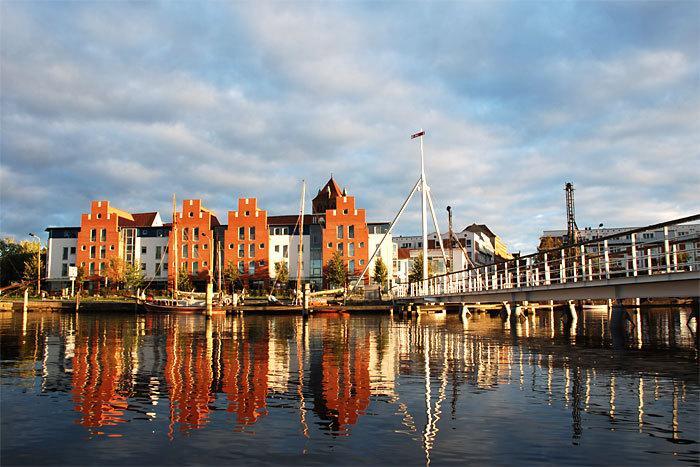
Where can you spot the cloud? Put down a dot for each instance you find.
(134, 102)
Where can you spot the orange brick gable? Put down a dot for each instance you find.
(194, 229)
(104, 221)
(247, 217)
(346, 215)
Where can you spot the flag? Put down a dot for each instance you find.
(416, 135)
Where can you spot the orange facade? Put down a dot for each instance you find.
(194, 227)
(246, 240)
(346, 232)
(99, 239)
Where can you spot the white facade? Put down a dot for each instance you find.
(279, 250)
(61, 254)
(153, 258)
(479, 246)
(386, 252)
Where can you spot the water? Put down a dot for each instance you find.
(361, 389)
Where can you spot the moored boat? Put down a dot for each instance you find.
(168, 305)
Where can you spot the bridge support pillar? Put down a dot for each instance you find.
(517, 313)
(465, 313)
(505, 311)
(571, 315)
(694, 311)
(618, 317)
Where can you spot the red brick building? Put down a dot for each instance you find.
(99, 238)
(194, 227)
(345, 228)
(246, 241)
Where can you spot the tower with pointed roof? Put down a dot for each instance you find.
(326, 197)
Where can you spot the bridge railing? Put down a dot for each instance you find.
(665, 248)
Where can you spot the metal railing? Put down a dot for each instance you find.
(665, 248)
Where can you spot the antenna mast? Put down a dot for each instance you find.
(572, 233)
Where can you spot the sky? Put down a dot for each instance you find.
(134, 101)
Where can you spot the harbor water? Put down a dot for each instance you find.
(373, 389)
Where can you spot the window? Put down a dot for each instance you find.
(191, 214)
(195, 267)
(351, 266)
(92, 269)
(82, 247)
(72, 250)
(195, 234)
(102, 267)
(351, 249)
(241, 233)
(362, 244)
(158, 269)
(340, 231)
(159, 253)
(345, 211)
(351, 231)
(185, 234)
(165, 249)
(330, 245)
(204, 264)
(103, 252)
(251, 268)
(92, 252)
(261, 262)
(251, 232)
(99, 215)
(230, 246)
(93, 236)
(64, 269)
(184, 251)
(285, 251)
(241, 250)
(205, 246)
(362, 262)
(165, 266)
(241, 267)
(251, 250)
(82, 265)
(103, 235)
(65, 252)
(277, 248)
(195, 251)
(247, 213)
(340, 247)
(261, 246)
(143, 250)
(143, 266)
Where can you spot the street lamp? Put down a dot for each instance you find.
(38, 265)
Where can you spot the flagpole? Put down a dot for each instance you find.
(424, 206)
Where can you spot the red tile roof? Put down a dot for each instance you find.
(141, 219)
(404, 253)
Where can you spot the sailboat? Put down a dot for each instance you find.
(188, 303)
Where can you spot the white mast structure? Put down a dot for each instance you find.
(426, 202)
(300, 245)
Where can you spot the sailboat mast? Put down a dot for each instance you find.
(300, 248)
(174, 252)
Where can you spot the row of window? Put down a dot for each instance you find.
(65, 251)
(351, 247)
(251, 266)
(241, 233)
(241, 249)
(93, 235)
(340, 230)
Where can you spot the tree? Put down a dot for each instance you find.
(13, 256)
(80, 278)
(335, 274)
(380, 272)
(231, 274)
(282, 272)
(416, 273)
(184, 280)
(133, 275)
(116, 271)
(30, 267)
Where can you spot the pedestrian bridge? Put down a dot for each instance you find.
(656, 261)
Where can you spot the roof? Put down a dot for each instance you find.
(61, 228)
(119, 212)
(480, 228)
(290, 219)
(139, 219)
(404, 253)
(330, 188)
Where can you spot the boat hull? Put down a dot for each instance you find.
(153, 308)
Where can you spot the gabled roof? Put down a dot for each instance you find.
(404, 253)
(139, 219)
(330, 190)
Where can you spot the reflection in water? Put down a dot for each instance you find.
(196, 375)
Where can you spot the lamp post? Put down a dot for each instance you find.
(38, 265)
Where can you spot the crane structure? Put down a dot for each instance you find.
(572, 233)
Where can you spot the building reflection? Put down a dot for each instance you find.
(181, 370)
